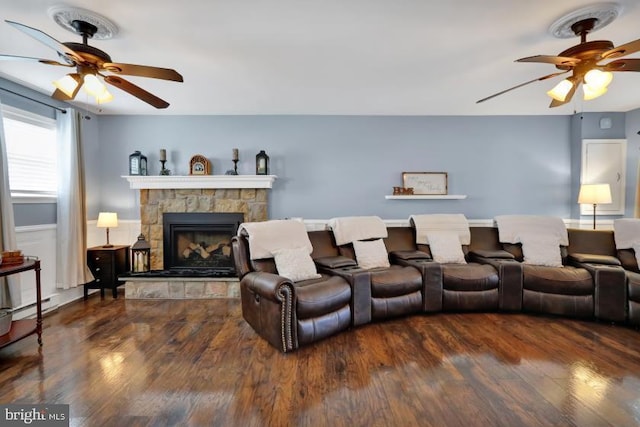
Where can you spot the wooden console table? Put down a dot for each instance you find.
(25, 327)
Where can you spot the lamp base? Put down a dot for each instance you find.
(107, 246)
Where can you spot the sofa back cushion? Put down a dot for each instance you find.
(400, 239)
(324, 245)
(484, 238)
(628, 259)
(596, 242)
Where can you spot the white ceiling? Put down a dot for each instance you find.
(343, 57)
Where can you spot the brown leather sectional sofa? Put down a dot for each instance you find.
(596, 282)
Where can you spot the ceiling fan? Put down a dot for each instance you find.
(91, 62)
(584, 62)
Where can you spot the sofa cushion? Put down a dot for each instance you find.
(295, 264)
(371, 253)
(469, 277)
(553, 280)
(395, 281)
(319, 297)
(446, 248)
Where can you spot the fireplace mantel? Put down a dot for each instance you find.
(166, 182)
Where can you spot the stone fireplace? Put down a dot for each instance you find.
(244, 195)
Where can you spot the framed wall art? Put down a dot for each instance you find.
(426, 182)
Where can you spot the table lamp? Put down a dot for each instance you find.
(594, 194)
(107, 220)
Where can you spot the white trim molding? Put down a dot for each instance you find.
(165, 182)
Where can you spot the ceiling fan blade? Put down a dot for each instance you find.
(143, 71)
(136, 91)
(548, 76)
(556, 103)
(623, 65)
(28, 58)
(622, 50)
(66, 53)
(548, 59)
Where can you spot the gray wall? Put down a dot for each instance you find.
(344, 165)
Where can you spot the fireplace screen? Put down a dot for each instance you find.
(200, 241)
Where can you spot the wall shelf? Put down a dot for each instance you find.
(426, 197)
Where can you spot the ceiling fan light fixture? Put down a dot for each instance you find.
(93, 86)
(104, 97)
(68, 84)
(561, 90)
(591, 92)
(598, 79)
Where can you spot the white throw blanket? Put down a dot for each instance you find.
(510, 227)
(353, 228)
(626, 232)
(424, 224)
(269, 236)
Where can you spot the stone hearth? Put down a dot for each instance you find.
(246, 194)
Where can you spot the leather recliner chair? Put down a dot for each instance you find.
(463, 287)
(289, 314)
(393, 291)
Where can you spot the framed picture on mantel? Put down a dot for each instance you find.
(428, 183)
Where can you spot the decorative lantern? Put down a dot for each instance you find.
(141, 255)
(137, 163)
(262, 163)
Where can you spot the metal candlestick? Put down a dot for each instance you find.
(163, 170)
(235, 166)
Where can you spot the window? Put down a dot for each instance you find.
(31, 142)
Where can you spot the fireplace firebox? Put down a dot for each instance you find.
(199, 242)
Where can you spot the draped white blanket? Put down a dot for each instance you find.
(510, 227)
(424, 224)
(352, 228)
(626, 232)
(269, 236)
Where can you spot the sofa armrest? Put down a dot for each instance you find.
(332, 262)
(488, 253)
(610, 290)
(360, 281)
(267, 285)
(594, 259)
(432, 285)
(511, 277)
(396, 256)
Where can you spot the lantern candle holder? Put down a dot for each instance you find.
(141, 255)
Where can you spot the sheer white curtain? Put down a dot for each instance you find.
(10, 295)
(71, 228)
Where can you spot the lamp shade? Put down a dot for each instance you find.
(107, 220)
(594, 194)
(561, 90)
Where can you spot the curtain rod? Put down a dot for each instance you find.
(62, 110)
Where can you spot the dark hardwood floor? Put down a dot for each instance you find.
(196, 362)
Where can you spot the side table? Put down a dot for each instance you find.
(106, 263)
(25, 327)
